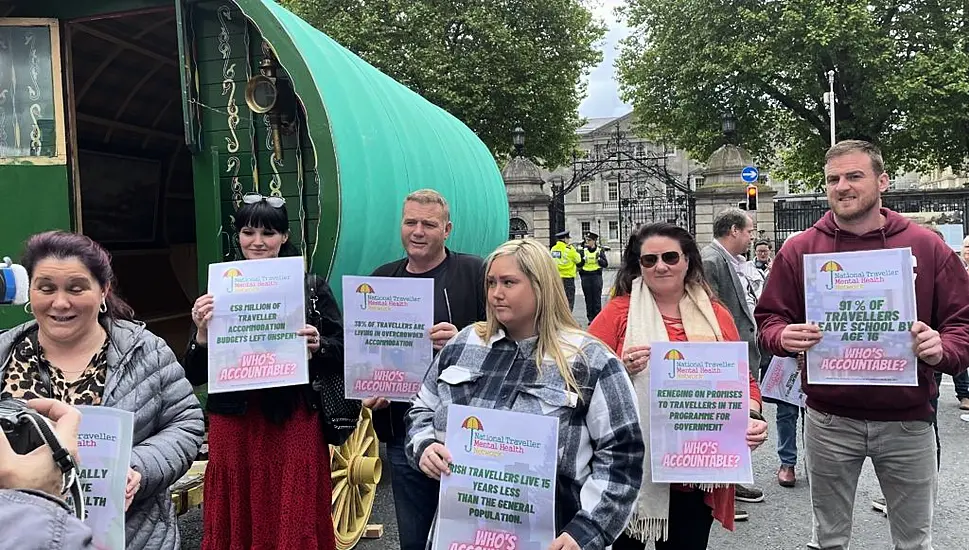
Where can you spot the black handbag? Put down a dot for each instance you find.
(339, 416)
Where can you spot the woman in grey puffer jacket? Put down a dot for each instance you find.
(85, 349)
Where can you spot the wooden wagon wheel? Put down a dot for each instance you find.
(355, 469)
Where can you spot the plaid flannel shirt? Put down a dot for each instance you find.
(601, 449)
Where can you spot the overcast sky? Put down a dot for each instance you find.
(602, 98)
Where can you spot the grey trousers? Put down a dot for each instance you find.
(903, 454)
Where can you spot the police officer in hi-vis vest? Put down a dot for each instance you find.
(566, 258)
(593, 262)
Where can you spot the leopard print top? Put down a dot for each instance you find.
(28, 375)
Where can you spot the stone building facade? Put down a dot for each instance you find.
(594, 205)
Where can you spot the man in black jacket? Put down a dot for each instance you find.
(459, 300)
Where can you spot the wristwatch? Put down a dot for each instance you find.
(756, 415)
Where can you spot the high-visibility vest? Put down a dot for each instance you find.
(591, 259)
(566, 258)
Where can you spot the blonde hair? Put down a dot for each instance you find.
(430, 196)
(552, 313)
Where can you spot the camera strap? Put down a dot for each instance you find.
(70, 482)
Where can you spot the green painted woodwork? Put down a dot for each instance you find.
(61, 9)
(376, 141)
(360, 144)
(37, 198)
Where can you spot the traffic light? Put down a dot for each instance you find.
(751, 197)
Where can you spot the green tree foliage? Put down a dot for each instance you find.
(490, 63)
(902, 77)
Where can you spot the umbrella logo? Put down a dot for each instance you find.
(471, 423)
(831, 267)
(231, 274)
(673, 355)
(366, 290)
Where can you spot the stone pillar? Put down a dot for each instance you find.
(724, 188)
(527, 197)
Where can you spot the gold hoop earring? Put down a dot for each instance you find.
(27, 309)
(104, 307)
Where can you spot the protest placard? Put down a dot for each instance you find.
(501, 491)
(864, 303)
(386, 335)
(104, 442)
(252, 340)
(699, 410)
(782, 382)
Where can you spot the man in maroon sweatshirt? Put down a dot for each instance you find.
(889, 424)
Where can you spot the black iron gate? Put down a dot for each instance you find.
(941, 207)
(644, 203)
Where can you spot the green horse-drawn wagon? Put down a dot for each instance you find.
(142, 123)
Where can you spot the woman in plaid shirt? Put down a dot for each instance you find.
(531, 356)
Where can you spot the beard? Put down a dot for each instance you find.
(864, 205)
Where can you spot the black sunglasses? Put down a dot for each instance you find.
(669, 258)
(253, 198)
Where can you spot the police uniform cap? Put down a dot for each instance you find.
(562, 235)
(591, 235)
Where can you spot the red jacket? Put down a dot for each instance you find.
(610, 327)
(942, 302)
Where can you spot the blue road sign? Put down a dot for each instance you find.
(750, 174)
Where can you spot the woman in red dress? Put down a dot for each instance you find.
(267, 483)
(660, 295)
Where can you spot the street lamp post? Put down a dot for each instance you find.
(518, 139)
(728, 124)
(829, 101)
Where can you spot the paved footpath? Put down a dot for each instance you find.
(783, 520)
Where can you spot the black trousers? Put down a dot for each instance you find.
(592, 289)
(569, 283)
(690, 522)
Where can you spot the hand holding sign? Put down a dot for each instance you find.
(636, 358)
(928, 343)
(756, 433)
(312, 338)
(132, 485)
(564, 542)
(436, 461)
(441, 333)
(800, 337)
(202, 312)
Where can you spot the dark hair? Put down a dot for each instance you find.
(62, 245)
(727, 220)
(261, 214)
(762, 242)
(630, 268)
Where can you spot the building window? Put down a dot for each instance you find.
(584, 193)
(30, 80)
(517, 228)
(586, 227)
(613, 190)
(613, 231)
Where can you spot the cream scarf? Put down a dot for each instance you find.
(650, 519)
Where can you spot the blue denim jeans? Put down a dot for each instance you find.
(961, 381)
(787, 433)
(415, 499)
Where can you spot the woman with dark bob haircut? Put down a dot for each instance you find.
(84, 348)
(661, 296)
(267, 484)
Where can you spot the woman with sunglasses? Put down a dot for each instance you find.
(660, 295)
(267, 484)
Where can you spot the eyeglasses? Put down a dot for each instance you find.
(253, 198)
(669, 258)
